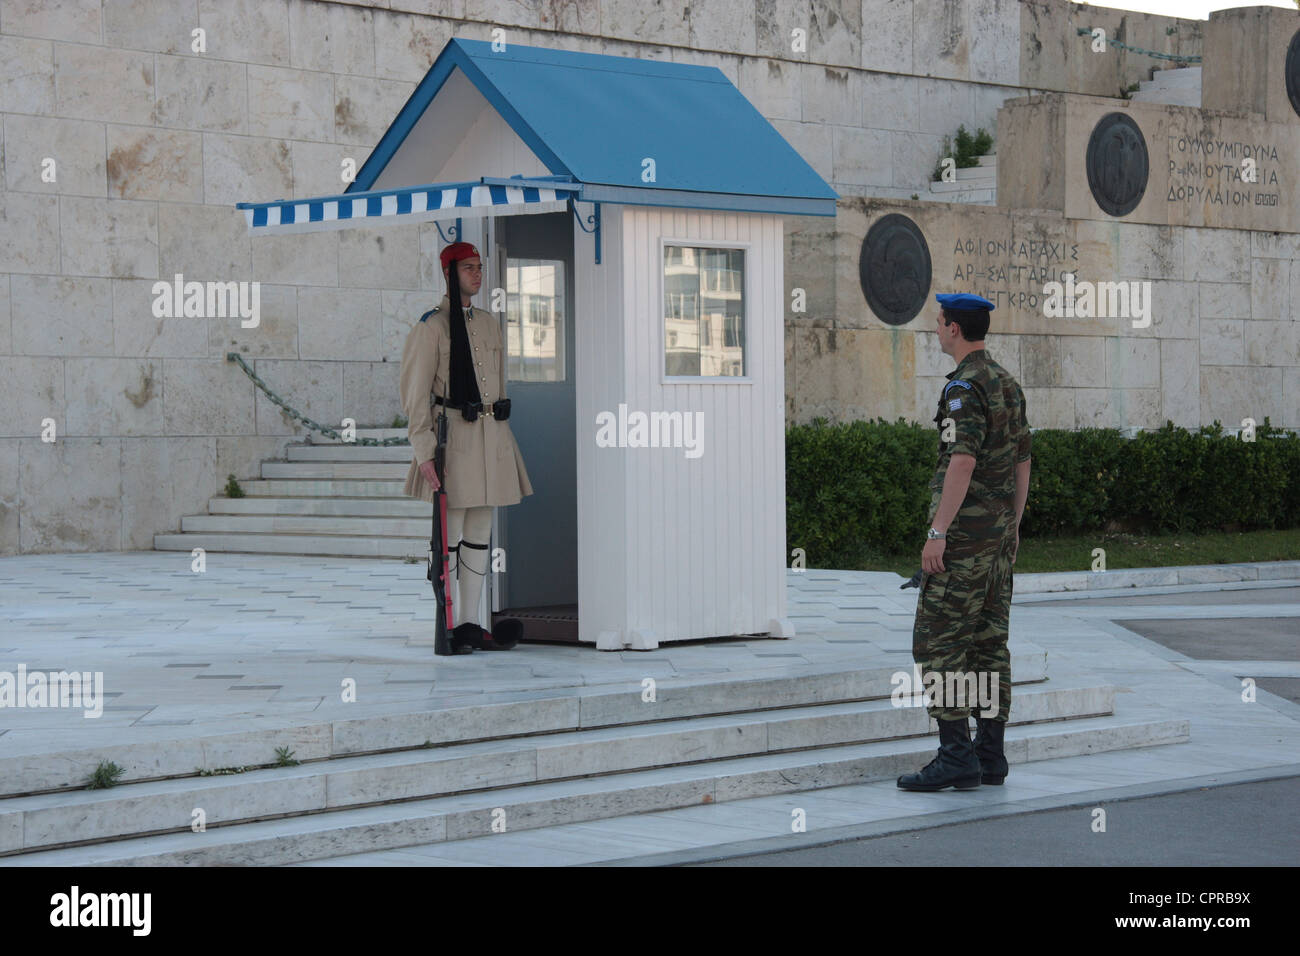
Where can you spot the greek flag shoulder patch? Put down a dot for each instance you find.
(954, 404)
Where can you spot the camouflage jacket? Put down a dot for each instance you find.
(982, 411)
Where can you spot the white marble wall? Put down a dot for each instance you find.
(154, 144)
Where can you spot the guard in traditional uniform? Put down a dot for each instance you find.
(977, 499)
(454, 357)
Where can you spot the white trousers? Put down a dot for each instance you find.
(468, 533)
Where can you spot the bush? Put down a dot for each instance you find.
(857, 488)
(862, 488)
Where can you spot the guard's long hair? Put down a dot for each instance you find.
(462, 386)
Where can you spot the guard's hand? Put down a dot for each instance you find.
(430, 473)
(1016, 550)
(932, 556)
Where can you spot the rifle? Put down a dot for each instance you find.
(442, 643)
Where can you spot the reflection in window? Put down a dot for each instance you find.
(535, 311)
(704, 311)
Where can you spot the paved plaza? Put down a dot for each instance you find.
(258, 642)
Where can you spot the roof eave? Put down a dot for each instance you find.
(729, 202)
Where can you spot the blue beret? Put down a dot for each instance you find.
(963, 301)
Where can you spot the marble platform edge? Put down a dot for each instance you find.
(927, 819)
(1130, 578)
(30, 823)
(406, 725)
(320, 836)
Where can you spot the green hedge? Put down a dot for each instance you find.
(861, 489)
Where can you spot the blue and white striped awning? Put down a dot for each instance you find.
(488, 196)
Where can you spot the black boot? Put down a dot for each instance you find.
(450, 642)
(954, 766)
(988, 748)
(503, 638)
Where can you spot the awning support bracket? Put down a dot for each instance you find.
(594, 219)
(455, 231)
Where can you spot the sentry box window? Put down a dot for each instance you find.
(704, 311)
(535, 323)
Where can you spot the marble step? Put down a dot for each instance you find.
(338, 507)
(962, 185)
(419, 822)
(985, 197)
(310, 524)
(344, 470)
(323, 488)
(980, 173)
(1188, 77)
(342, 546)
(385, 728)
(349, 452)
(339, 783)
(316, 438)
(1170, 97)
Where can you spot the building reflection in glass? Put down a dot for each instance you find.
(704, 311)
(535, 311)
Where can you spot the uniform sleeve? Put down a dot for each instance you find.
(415, 383)
(969, 411)
(1022, 449)
(505, 359)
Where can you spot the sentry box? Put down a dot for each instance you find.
(629, 215)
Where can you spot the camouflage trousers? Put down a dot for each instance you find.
(959, 640)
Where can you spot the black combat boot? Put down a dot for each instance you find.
(954, 766)
(988, 748)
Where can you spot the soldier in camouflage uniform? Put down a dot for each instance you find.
(977, 498)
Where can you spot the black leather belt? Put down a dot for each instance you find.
(482, 409)
(500, 409)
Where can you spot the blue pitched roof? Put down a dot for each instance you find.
(595, 118)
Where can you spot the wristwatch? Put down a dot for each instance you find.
(932, 534)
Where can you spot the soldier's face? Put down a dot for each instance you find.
(946, 333)
(470, 272)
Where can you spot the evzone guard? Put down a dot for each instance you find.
(464, 456)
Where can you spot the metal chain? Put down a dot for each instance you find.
(1087, 31)
(315, 426)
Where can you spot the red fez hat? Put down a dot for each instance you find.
(457, 250)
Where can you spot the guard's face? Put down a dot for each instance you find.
(471, 274)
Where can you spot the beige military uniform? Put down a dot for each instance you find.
(483, 464)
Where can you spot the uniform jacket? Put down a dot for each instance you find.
(987, 408)
(483, 464)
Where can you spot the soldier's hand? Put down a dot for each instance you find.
(430, 474)
(1016, 550)
(932, 556)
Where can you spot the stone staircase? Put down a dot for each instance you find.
(418, 777)
(977, 185)
(326, 498)
(1177, 87)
